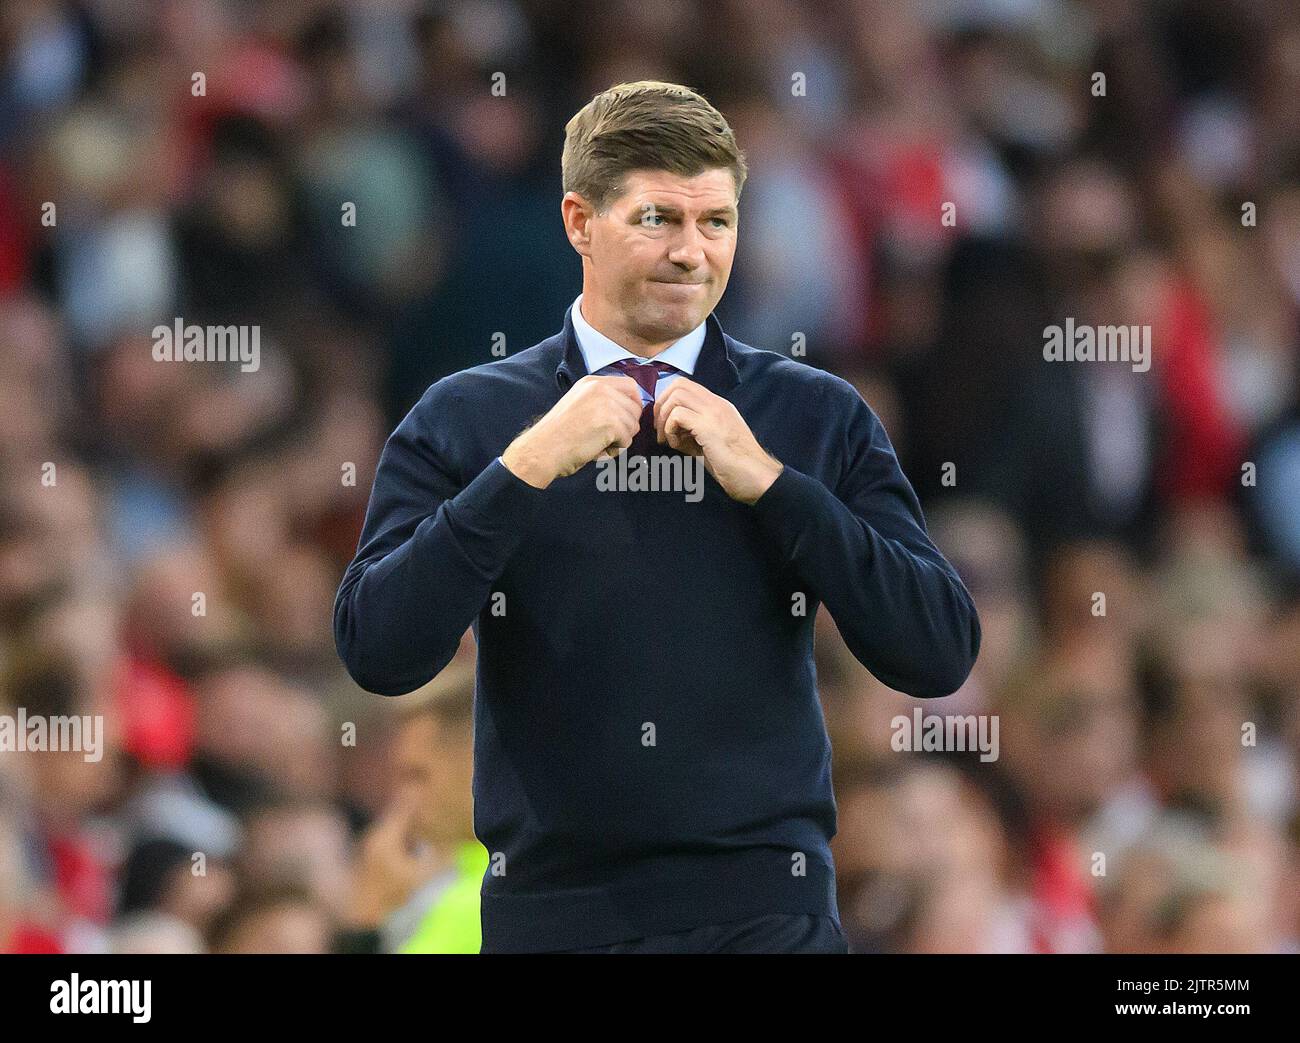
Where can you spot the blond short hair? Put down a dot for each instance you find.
(646, 125)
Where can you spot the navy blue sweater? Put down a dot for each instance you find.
(649, 749)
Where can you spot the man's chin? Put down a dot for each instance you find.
(671, 324)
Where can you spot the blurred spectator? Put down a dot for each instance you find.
(418, 877)
(375, 188)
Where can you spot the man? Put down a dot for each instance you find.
(652, 770)
(418, 877)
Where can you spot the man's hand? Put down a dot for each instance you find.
(392, 865)
(597, 418)
(695, 421)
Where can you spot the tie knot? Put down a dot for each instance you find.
(646, 374)
(662, 368)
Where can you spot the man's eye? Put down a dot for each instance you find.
(648, 219)
(719, 222)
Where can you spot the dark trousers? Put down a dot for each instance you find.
(777, 933)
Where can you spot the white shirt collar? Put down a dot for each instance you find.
(598, 351)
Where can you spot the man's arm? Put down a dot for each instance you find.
(864, 552)
(429, 554)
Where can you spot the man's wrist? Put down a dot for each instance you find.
(523, 462)
(769, 472)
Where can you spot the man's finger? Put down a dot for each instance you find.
(612, 450)
(397, 819)
(680, 424)
(681, 390)
(627, 386)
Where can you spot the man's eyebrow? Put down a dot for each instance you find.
(667, 210)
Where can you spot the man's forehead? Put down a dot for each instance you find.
(713, 188)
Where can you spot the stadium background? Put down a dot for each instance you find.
(1120, 735)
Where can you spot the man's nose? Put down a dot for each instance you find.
(688, 248)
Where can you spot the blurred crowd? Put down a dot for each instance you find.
(932, 183)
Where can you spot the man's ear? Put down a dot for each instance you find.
(577, 214)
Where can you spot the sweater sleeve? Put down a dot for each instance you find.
(430, 551)
(864, 552)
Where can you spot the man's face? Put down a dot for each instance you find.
(435, 774)
(657, 261)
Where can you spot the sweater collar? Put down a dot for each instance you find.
(715, 368)
(598, 351)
